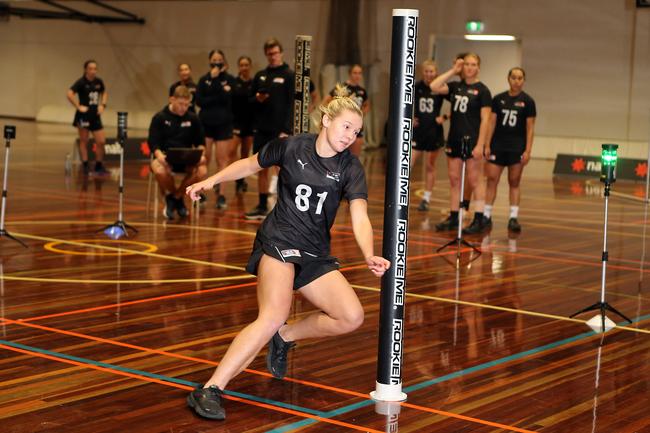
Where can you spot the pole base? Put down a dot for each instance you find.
(604, 324)
(5, 233)
(600, 323)
(384, 392)
(117, 230)
(460, 242)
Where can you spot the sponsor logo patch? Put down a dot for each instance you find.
(290, 253)
(334, 176)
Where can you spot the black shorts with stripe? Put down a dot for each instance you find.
(308, 267)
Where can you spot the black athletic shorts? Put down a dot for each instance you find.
(243, 130)
(218, 132)
(260, 138)
(505, 158)
(89, 121)
(428, 142)
(308, 267)
(453, 150)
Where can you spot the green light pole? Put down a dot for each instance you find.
(601, 322)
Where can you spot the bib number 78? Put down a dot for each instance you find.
(303, 192)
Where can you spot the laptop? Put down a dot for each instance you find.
(183, 156)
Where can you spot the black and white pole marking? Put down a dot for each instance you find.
(301, 91)
(400, 128)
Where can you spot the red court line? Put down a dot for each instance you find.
(260, 373)
(139, 301)
(189, 388)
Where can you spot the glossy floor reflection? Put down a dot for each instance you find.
(103, 336)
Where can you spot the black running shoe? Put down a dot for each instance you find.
(181, 209)
(276, 358)
(447, 225)
(424, 206)
(513, 225)
(488, 222)
(207, 402)
(478, 225)
(221, 202)
(258, 213)
(170, 205)
(85, 169)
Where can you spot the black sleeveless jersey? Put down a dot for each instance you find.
(466, 103)
(310, 189)
(512, 113)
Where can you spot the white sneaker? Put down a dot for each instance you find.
(273, 185)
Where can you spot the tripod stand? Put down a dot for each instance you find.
(10, 134)
(608, 176)
(120, 228)
(465, 154)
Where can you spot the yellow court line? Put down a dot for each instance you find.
(72, 281)
(141, 224)
(52, 247)
(495, 307)
(123, 250)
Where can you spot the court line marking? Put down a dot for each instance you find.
(418, 386)
(52, 247)
(73, 281)
(496, 307)
(133, 252)
(137, 301)
(257, 372)
(177, 383)
(252, 233)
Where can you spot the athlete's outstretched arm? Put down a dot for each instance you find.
(236, 170)
(363, 234)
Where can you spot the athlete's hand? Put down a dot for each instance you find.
(377, 265)
(487, 152)
(477, 153)
(416, 122)
(283, 135)
(261, 97)
(440, 120)
(193, 190)
(214, 72)
(100, 108)
(82, 109)
(525, 157)
(458, 66)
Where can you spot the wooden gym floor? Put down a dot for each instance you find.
(109, 336)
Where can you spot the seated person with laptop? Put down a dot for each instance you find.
(176, 140)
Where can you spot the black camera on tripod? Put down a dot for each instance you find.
(10, 132)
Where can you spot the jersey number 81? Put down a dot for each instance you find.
(303, 192)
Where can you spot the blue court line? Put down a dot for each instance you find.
(450, 376)
(161, 377)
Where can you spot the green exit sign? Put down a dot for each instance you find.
(474, 26)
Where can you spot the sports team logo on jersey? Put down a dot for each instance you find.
(262, 77)
(186, 124)
(279, 80)
(472, 92)
(290, 253)
(168, 123)
(302, 164)
(520, 104)
(334, 176)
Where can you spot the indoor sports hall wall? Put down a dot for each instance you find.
(587, 61)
